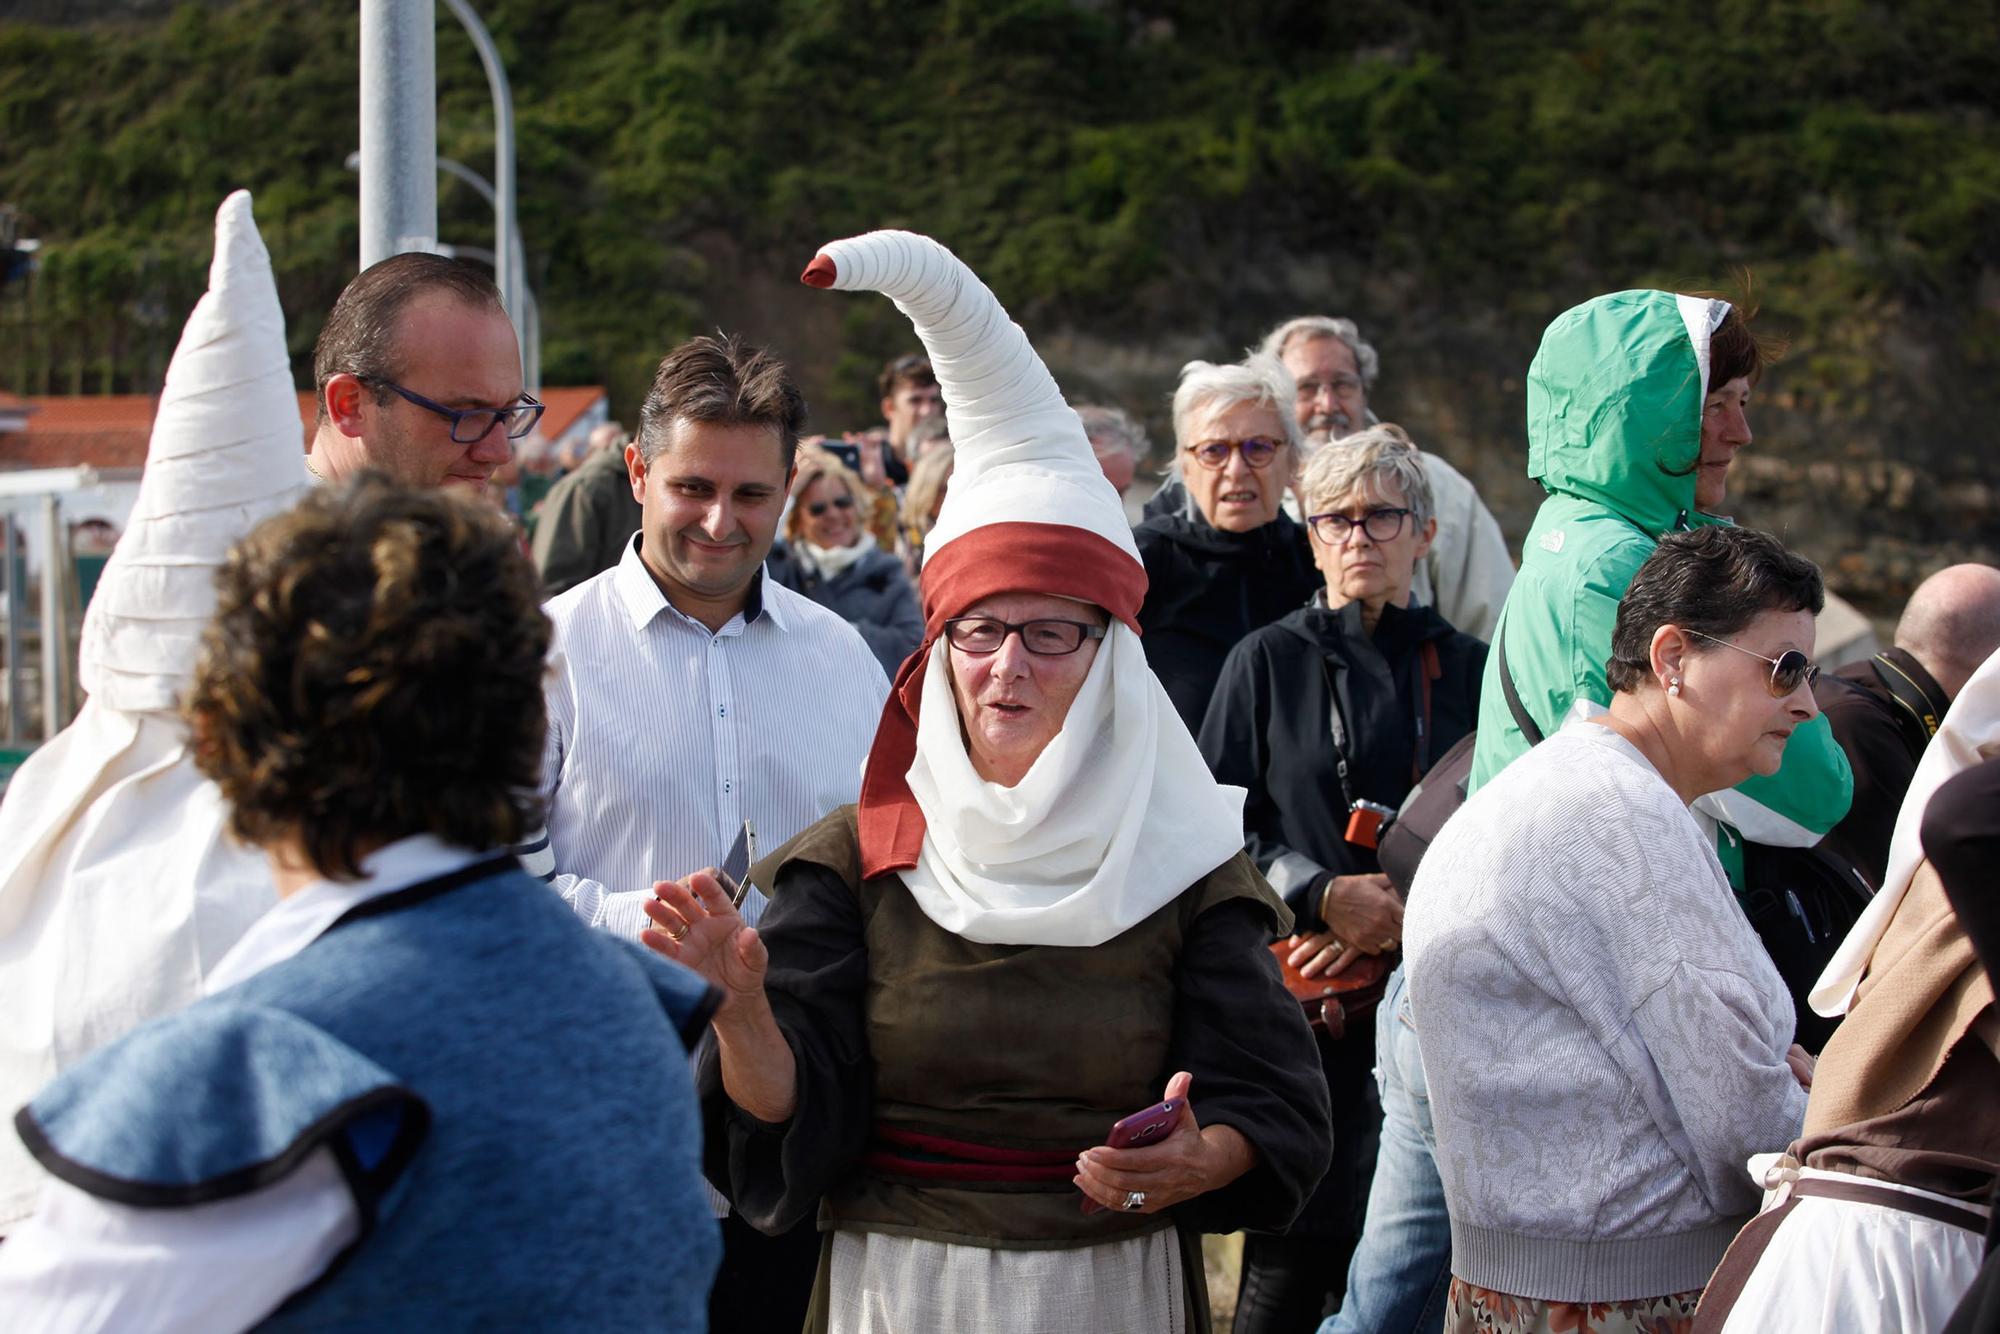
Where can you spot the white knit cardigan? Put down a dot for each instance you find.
(1603, 1034)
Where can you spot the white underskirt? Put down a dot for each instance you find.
(883, 1284)
(1843, 1267)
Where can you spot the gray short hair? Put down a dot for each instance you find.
(1382, 454)
(1257, 378)
(1115, 426)
(1325, 326)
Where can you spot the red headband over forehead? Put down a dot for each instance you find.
(1008, 557)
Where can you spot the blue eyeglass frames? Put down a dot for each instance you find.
(471, 425)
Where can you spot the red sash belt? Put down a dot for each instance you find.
(907, 1153)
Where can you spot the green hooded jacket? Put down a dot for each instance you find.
(1614, 432)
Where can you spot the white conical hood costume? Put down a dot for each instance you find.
(119, 887)
(1969, 735)
(1119, 814)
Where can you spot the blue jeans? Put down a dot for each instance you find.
(1401, 1271)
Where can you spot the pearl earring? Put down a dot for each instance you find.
(1674, 687)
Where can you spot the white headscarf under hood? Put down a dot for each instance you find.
(1119, 814)
(119, 886)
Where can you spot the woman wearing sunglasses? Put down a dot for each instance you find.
(1606, 1040)
(830, 556)
(1037, 923)
(1230, 560)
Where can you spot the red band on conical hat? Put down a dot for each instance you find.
(1050, 558)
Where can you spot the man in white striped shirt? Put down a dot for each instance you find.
(688, 693)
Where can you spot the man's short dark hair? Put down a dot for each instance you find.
(1714, 581)
(721, 381)
(911, 370)
(359, 336)
(374, 670)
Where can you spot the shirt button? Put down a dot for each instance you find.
(723, 711)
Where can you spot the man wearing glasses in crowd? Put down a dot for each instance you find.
(418, 374)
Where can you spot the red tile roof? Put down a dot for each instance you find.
(111, 430)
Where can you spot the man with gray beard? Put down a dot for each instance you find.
(1467, 572)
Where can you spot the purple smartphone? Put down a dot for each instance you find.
(1137, 1131)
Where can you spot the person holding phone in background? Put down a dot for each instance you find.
(1037, 921)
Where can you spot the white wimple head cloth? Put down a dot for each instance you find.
(227, 450)
(1119, 813)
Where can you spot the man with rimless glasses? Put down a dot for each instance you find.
(418, 374)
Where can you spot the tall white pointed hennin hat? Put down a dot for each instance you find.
(119, 885)
(226, 451)
(1117, 814)
(1028, 507)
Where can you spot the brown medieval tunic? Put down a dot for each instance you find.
(896, 1022)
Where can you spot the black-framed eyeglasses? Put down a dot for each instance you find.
(819, 507)
(980, 635)
(1258, 451)
(471, 425)
(1789, 670)
(1381, 525)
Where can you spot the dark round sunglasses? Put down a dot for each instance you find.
(1789, 670)
(1258, 451)
(819, 507)
(980, 635)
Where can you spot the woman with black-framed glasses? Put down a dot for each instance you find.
(1576, 902)
(1230, 560)
(830, 556)
(1344, 702)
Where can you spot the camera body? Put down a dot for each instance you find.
(1366, 820)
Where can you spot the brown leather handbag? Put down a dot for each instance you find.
(1333, 1004)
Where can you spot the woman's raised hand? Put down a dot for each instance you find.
(695, 924)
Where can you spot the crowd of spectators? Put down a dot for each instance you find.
(907, 877)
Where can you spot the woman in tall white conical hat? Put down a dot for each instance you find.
(118, 885)
(1037, 922)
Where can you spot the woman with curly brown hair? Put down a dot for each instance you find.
(418, 1081)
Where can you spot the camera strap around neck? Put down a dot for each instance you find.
(1425, 668)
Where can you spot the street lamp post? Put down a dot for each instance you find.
(507, 274)
(398, 128)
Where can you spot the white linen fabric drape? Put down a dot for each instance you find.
(883, 1284)
(1117, 816)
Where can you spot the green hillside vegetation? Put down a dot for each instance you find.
(1164, 178)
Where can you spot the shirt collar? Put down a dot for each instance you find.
(643, 599)
(301, 918)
